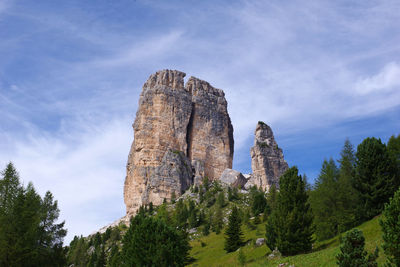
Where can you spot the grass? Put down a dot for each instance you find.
(323, 254)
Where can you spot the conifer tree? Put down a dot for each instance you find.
(230, 196)
(289, 227)
(221, 200)
(9, 188)
(233, 233)
(218, 222)
(348, 198)
(393, 147)
(101, 259)
(375, 176)
(325, 201)
(258, 202)
(352, 251)
(151, 242)
(115, 257)
(390, 224)
(272, 198)
(28, 233)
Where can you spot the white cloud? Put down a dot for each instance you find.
(85, 172)
(385, 81)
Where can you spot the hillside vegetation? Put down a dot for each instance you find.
(212, 252)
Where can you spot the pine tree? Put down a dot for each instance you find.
(181, 214)
(151, 242)
(218, 222)
(163, 214)
(101, 259)
(390, 224)
(9, 188)
(234, 235)
(258, 202)
(324, 200)
(77, 254)
(230, 196)
(375, 176)
(289, 227)
(115, 257)
(272, 198)
(352, 251)
(193, 222)
(221, 200)
(35, 240)
(348, 199)
(393, 147)
(206, 228)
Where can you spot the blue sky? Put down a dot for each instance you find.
(71, 72)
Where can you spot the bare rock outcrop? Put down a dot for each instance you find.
(210, 133)
(267, 160)
(181, 134)
(233, 178)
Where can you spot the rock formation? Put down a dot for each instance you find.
(181, 134)
(267, 160)
(233, 178)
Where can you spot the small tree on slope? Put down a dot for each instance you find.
(352, 251)
(234, 235)
(391, 229)
(375, 178)
(289, 227)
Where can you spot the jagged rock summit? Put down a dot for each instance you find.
(267, 160)
(181, 134)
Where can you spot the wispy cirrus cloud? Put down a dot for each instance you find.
(71, 75)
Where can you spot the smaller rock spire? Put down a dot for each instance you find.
(267, 160)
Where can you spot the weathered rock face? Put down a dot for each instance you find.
(267, 160)
(181, 133)
(233, 178)
(210, 133)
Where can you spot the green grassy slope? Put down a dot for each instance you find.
(323, 254)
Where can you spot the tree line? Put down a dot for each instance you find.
(29, 232)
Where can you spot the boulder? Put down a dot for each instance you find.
(233, 178)
(260, 242)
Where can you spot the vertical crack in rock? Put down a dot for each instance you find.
(176, 128)
(189, 133)
(211, 137)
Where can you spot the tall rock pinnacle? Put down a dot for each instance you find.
(180, 132)
(267, 160)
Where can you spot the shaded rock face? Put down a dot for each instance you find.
(267, 160)
(181, 134)
(233, 178)
(210, 133)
